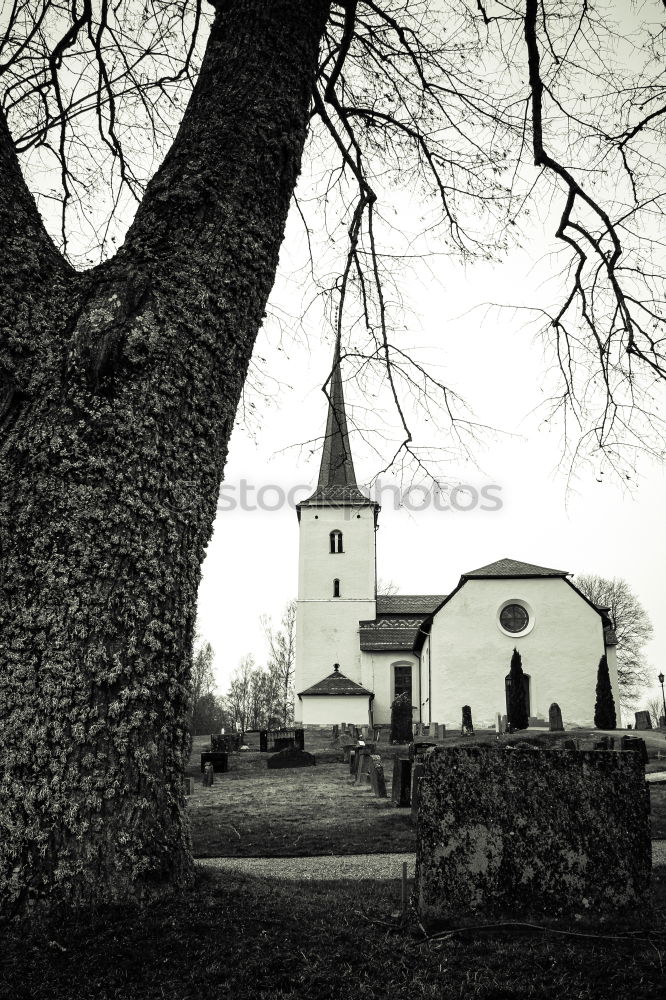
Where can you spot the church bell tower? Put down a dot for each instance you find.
(337, 581)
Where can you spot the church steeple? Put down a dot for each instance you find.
(337, 478)
(337, 466)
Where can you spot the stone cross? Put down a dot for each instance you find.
(555, 723)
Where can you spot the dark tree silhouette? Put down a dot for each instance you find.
(119, 384)
(604, 706)
(517, 706)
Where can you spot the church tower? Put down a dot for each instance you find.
(337, 583)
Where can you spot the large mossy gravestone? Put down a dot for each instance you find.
(291, 757)
(530, 832)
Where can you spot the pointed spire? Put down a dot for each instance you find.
(337, 466)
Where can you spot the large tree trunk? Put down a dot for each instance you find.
(118, 391)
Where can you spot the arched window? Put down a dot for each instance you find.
(336, 541)
(336, 588)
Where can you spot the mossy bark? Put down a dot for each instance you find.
(118, 392)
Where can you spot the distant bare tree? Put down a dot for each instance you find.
(656, 709)
(282, 647)
(203, 681)
(386, 588)
(632, 625)
(239, 695)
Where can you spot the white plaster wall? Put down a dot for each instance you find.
(327, 710)
(327, 630)
(378, 676)
(470, 655)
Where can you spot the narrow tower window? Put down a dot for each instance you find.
(336, 588)
(336, 541)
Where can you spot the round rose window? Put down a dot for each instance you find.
(514, 618)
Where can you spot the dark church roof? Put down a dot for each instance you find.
(511, 568)
(337, 479)
(390, 632)
(408, 604)
(337, 684)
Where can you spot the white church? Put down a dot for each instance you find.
(357, 650)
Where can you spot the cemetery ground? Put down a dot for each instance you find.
(253, 812)
(258, 938)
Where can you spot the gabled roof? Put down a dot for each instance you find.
(336, 684)
(408, 604)
(511, 568)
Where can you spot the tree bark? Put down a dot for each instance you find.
(118, 392)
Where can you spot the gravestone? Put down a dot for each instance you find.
(418, 748)
(425, 729)
(363, 766)
(347, 748)
(587, 855)
(284, 743)
(188, 785)
(377, 734)
(336, 732)
(353, 753)
(219, 761)
(417, 728)
(498, 724)
(555, 723)
(643, 720)
(401, 789)
(299, 739)
(467, 728)
(569, 745)
(291, 757)
(377, 779)
(365, 732)
(636, 744)
(505, 722)
(435, 730)
(209, 775)
(343, 727)
(417, 774)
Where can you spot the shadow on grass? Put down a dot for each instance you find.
(243, 937)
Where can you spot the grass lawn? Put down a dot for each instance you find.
(254, 939)
(253, 812)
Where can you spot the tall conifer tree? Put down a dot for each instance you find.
(517, 706)
(604, 707)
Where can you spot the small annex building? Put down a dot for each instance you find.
(357, 650)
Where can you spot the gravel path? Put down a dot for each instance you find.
(353, 866)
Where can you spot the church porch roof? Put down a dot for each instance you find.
(337, 684)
